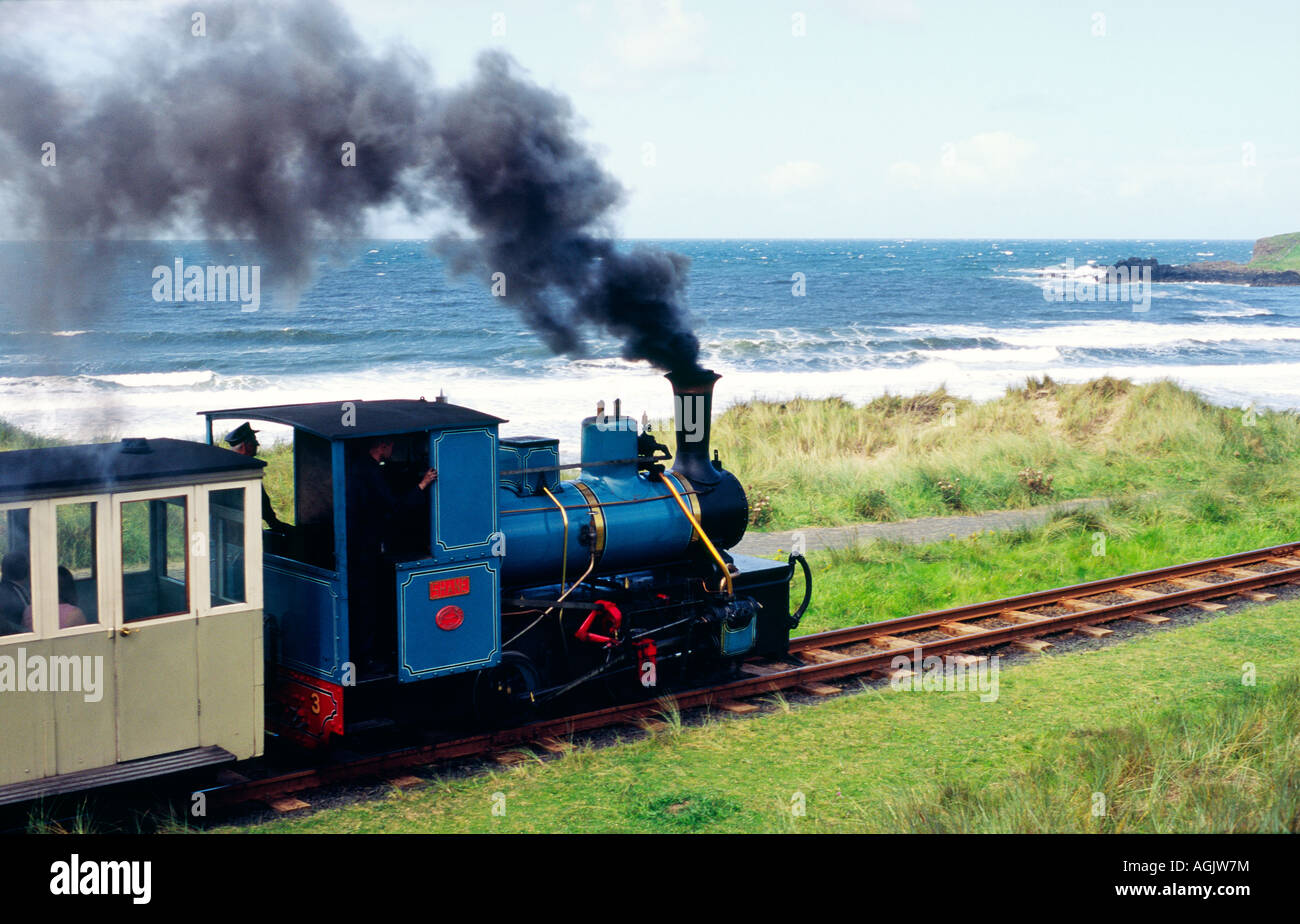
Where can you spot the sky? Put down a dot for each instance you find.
(874, 118)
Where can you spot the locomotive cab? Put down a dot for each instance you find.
(376, 580)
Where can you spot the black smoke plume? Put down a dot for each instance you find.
(240, 134)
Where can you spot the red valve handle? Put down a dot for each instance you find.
(613, 621)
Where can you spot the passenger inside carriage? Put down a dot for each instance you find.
(15, 594)
(69, 613)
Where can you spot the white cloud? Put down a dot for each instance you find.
(880, 10)
(989, 156)
(906, 174)
(987, 159)
(794, 175)
(660, 36)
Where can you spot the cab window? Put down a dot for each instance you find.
(155, 558)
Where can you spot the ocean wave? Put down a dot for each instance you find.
(1112, 340)
(158, 379)
(1240, 311)
(1112, 333)
(1004, 356)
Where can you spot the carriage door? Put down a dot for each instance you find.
(157, 642)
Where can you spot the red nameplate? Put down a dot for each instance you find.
(449, 587)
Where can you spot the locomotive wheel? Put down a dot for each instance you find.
(503, 693)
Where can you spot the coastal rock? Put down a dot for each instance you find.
(1275, 261)
(1212, 271)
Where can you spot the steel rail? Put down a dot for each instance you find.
(1040, 598)
(844, 665)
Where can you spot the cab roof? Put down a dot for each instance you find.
(130, 465)
(334, 420)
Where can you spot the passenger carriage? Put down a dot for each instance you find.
(138, 647)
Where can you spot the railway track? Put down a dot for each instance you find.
(815, 660)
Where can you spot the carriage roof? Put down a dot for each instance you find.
(338, 420)
(132, 464)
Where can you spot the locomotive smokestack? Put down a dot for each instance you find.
(693, 417)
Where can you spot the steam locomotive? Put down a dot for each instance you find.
(519, 583)
(503, 588)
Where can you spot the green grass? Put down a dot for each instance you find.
(1162, 726)
(277, 478)
(883, 580)
(828, 462)
(1279, 252)
(12, 437)
(1233, 766)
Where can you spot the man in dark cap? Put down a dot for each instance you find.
(243, 440)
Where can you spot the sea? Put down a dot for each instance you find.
(777, 318)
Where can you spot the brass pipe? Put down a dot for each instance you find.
(726, 572)
(564, 515)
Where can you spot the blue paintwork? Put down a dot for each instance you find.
(337, 467)
(464, 508)
(605, 440)
(498, 532)
(529, 452)
(306, 607)
(424, 650)
(464, 541)
(643, 524)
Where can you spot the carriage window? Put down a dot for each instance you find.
(78, 579)
(155, 558)
(226, 534)
(15, 579)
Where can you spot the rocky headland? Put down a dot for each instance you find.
(1274, 262)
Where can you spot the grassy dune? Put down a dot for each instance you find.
(12, 437)
(829, 462)
(823, 462)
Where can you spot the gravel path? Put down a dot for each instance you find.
(923, 529)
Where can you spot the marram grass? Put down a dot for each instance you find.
(828, 462)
